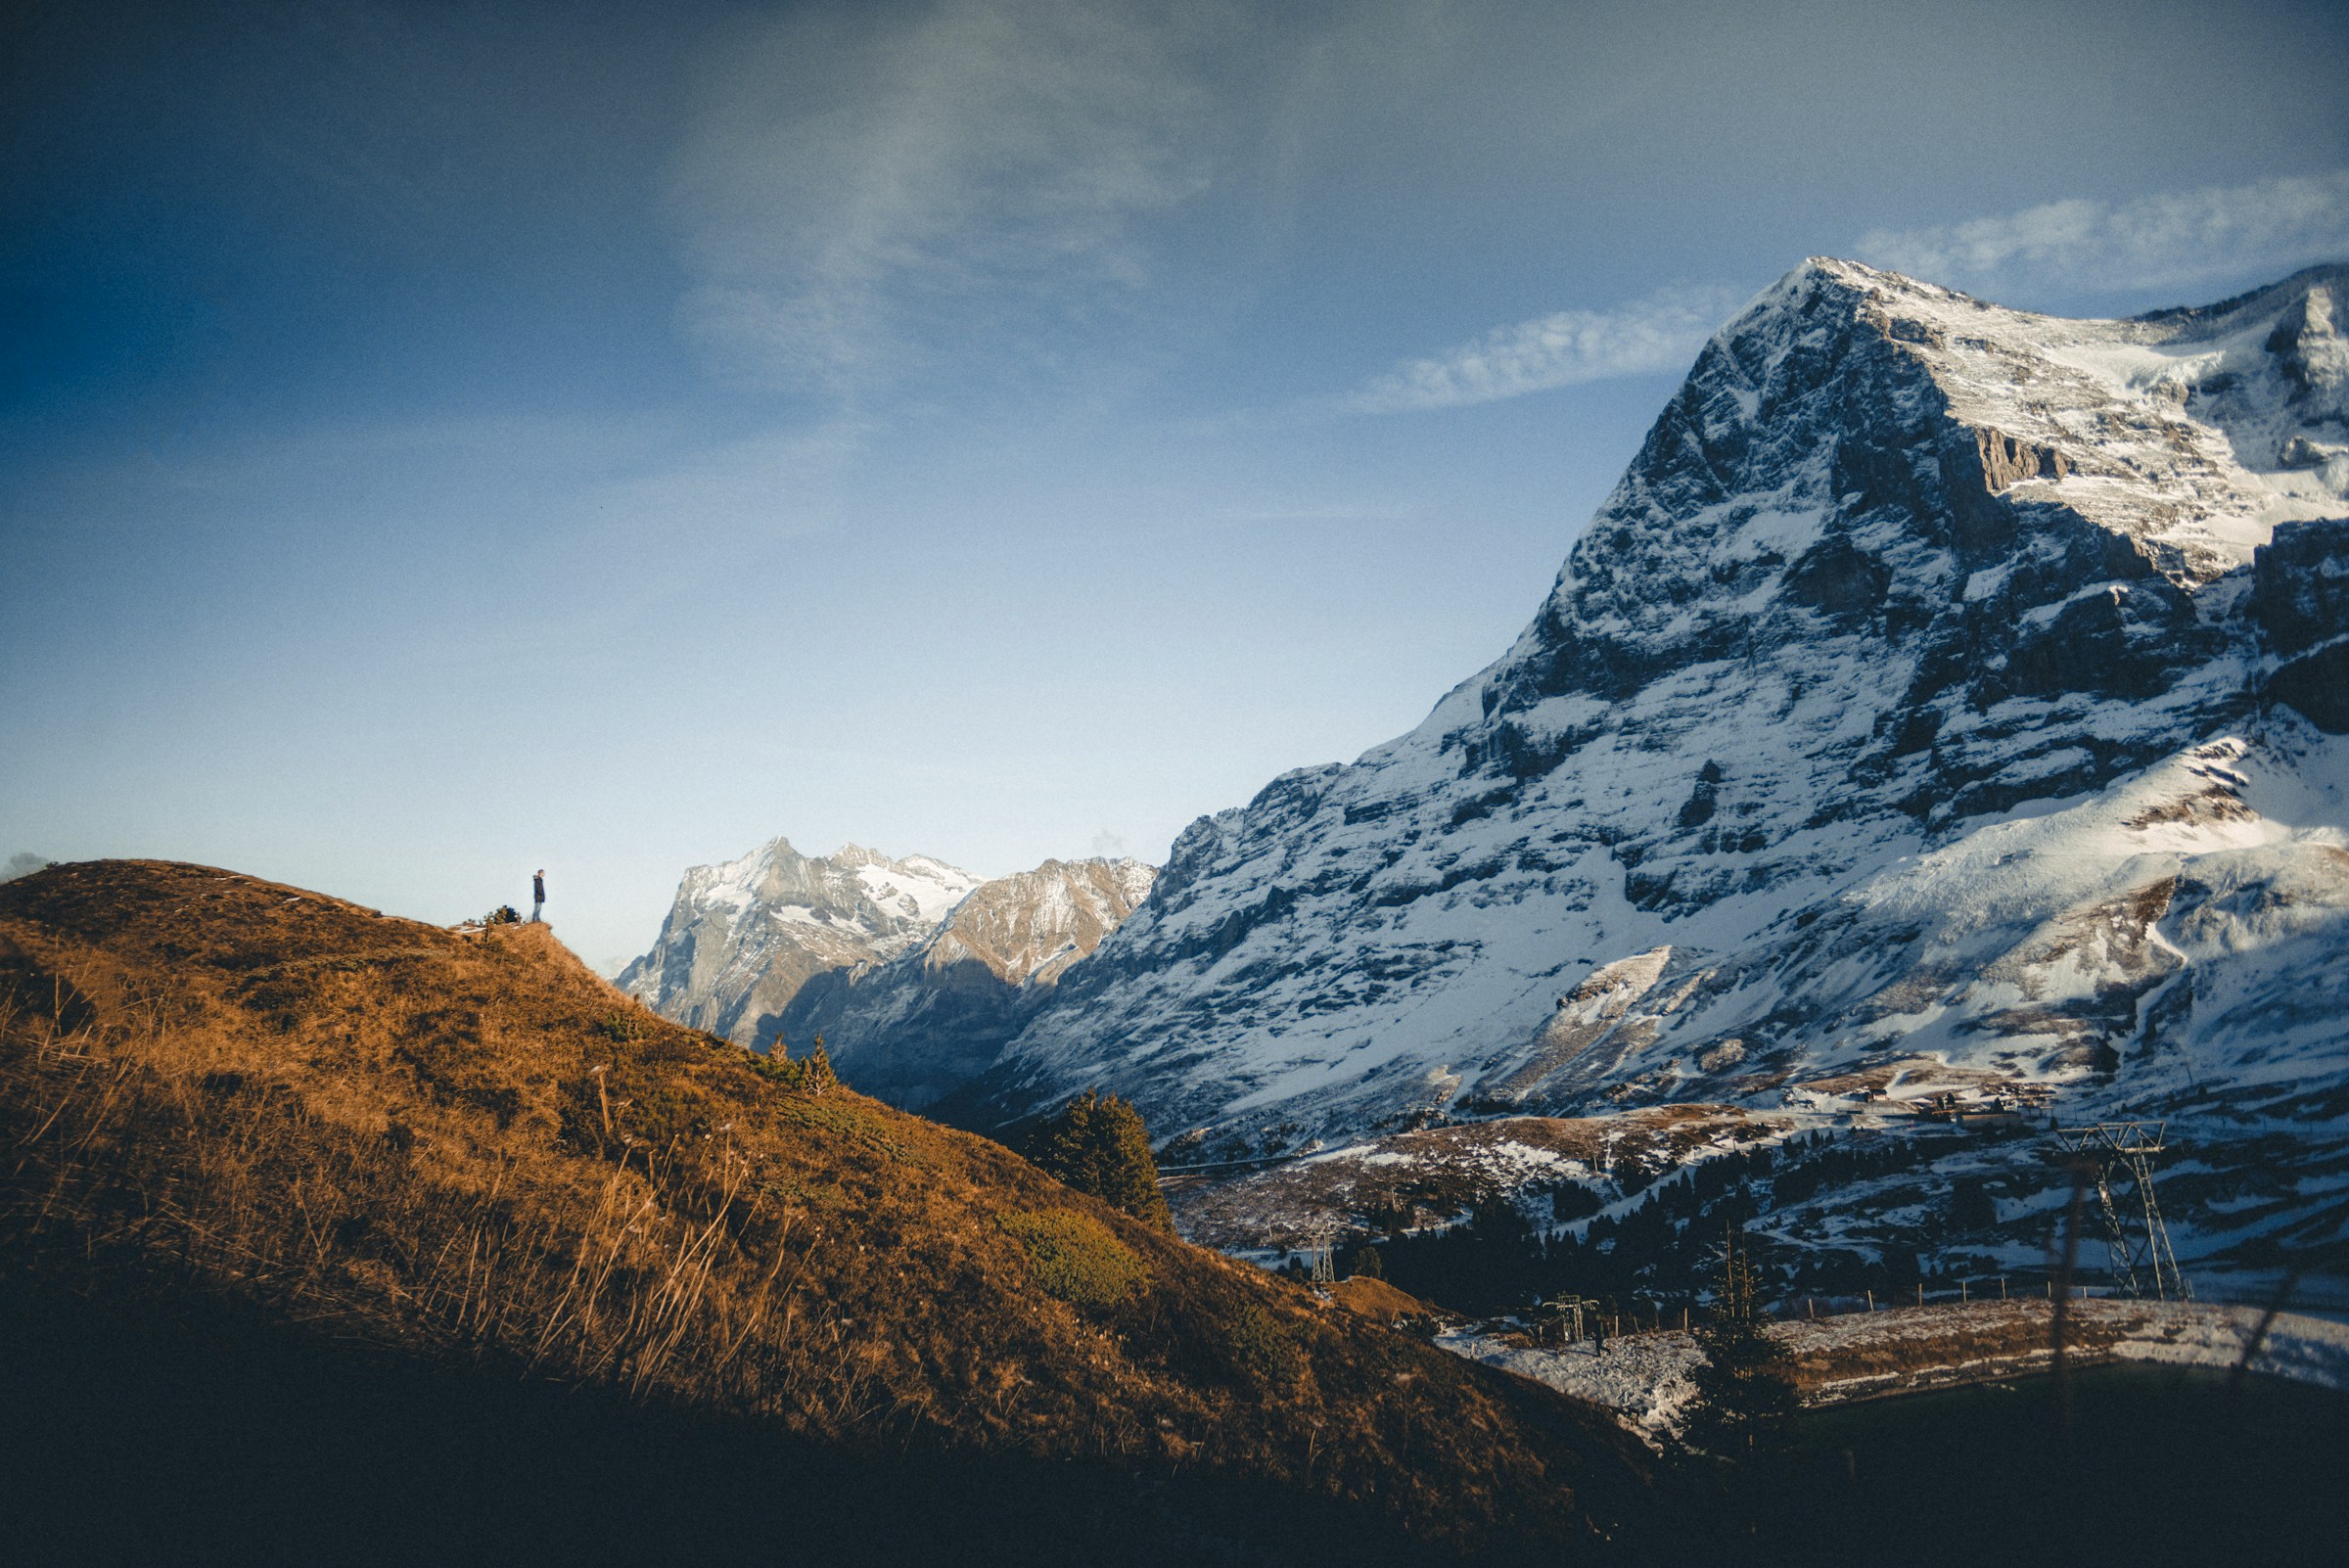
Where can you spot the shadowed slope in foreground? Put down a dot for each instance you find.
(260, 1139)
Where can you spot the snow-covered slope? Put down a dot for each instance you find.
(744, 937)
(910, 1028)
(1914, 695)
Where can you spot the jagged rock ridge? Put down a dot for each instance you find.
(742, 937)
(1915, 693)
(913, 1028)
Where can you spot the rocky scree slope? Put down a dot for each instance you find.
(742, 937)
(1942, 684)
(913, 1028)
(464, 1150)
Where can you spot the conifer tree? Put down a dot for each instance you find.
(1096, 1143)
(1745, 1400)
(815, 1074)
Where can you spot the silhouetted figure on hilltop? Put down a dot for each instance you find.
(537, 894)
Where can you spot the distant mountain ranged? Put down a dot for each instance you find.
(742, 937)
(917, 1027)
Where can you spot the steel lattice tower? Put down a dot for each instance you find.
(1325, 1260)
(2112, 1149)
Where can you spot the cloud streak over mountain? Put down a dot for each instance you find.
(1655, 334)
(2178, 238)
(2174, 239)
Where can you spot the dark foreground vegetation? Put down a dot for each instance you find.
(311, 1215)
(206, 1439)
(2145, 1465)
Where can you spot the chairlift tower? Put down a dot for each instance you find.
(2110, 1150)
(1567, 1313)
(1586, 1310)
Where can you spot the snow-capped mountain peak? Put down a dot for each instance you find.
(1907, 602)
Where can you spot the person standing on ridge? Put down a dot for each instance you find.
(537, 893)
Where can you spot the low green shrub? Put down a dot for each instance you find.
(1075, 1258)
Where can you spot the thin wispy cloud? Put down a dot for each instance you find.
(2181, 238)
(869, 192)
(777, 484)
(1660, 333)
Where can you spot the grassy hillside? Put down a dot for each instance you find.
(230, 1102)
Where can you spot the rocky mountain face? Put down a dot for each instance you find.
(744, 937)
(913, 1028)
(1943, 684)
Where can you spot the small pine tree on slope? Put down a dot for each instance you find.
(816, 1074)
(1096, 1143)
(1745, 1400)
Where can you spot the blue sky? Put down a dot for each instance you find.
(440, 440)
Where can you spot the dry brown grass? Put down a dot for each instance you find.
(1381, 1301)
(465, 1147)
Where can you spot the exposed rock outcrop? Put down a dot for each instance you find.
(2300, 593)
